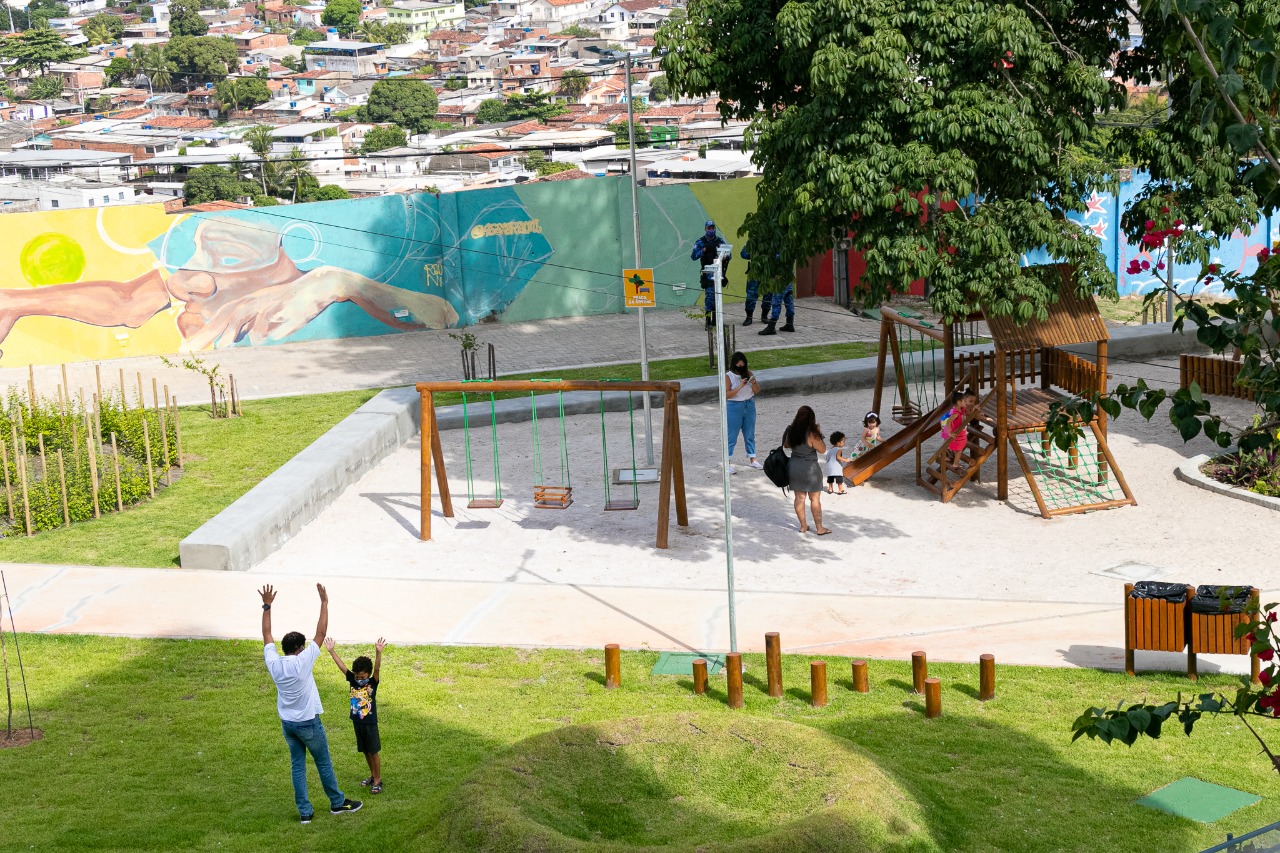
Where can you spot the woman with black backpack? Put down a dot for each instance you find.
(804, 439)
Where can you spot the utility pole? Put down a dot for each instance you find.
(635, 233)
(716, 270)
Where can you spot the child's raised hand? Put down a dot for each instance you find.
(328, 643)
(380, 645)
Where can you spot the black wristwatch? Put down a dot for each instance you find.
(266, 607)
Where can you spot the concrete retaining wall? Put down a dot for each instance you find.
(277, 508)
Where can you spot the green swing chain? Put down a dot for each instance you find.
(604, 449)
(538, 473)
(537, 443)
(466, 437)
(493, 419)
(564, 447)
(604, 443)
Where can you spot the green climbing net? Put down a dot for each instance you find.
(1068, 479)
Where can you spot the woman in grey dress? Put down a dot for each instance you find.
(804, 439)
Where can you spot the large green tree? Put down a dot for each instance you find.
(305, 36)
(411, 104)
(382, 138)
(536, 104)
(37, 49)
(214, 183)
(573, 84)
(342, 14)
(934, 129)
(491, 111)
(206, 59)
(185, 19)
(242, 93)
(44, 88)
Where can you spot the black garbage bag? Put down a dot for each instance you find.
(1211, 599)
(1175, 593)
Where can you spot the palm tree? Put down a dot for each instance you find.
(296, 170)
(96, 34)
(259, 140)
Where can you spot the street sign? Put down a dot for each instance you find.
(637, 286)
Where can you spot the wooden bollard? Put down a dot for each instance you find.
(860, 682)
(612, 666)
(773, 662)
(919, 671)
(818, 683)
(733, 669)
(986, 678)
(700, 677)
(932, 698)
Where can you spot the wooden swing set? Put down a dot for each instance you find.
(546, 495)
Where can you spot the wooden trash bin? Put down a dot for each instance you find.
(1156, 625)
(1215, 633)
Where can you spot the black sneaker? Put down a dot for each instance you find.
(306, 819)
(347, 806)
(788, 327)
(768, 330)
(748, 321)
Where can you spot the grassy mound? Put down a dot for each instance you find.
(710, 782)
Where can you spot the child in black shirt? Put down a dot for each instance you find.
(363, 679)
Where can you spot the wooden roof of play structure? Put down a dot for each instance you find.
(1073, 319)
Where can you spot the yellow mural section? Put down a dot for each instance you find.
(54, 248)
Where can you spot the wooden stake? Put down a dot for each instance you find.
(164, 443)
(97, 375)
(31, 387)
(986, 678)
(733, 669)
(124, 401)
(700, 676)
(142, 394)
(773, 662)
(115, 460)
(44, 467)
(62, 403)
(818, 683)
(860, 682)
(62, 479)
(22, 479)
(177, 431)
(932, 698)
(919, 671)
(155, 393)
(93, 474)
(213, 397)
(146, 443)
(612, 666)
(8, 487)
(97, 423)
(65, 383)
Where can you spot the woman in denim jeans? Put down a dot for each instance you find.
(740, 389)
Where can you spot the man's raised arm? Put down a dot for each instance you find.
(322, 626)
(268, 595)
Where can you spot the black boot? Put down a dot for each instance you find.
(788, 327)
(711, 319)
(747, 322)
(768, 328)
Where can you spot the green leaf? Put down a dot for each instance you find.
(1242, 137)
(1195, 392)
(1220, 30)
(1189, 428)
(1110, 406)
(1139, 719)
(1266, 71)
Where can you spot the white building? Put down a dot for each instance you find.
(65, 192)
(420, 18)
(318, 141)
(357, 58)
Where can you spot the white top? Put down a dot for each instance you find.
(739, 389)
(830, 464)
(297, 699)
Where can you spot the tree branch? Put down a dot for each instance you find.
(1267, 154)
(1271, 756)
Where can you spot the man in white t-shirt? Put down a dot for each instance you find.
(298, 703)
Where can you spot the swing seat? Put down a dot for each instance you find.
(616, 504)
(552, 497)
(484, 503)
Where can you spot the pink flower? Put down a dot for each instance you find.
(1160, 265)
(1213, 268)
(1149, 224)
(1146, 265)
(1266, 654)
(1164, 210)
(1263, 254)
(1271, 616)
(1265, 678)
(1177, 223)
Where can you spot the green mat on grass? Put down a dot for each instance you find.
(1197, 800)
(681, 663)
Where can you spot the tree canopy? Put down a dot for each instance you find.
(206, 58)
(574, 84)
(185, 19)
(305, 36)
(242, 93)
(491, 111)
(341, 14)
(934, 130)
(37, 49)
(103, 28)
(411, 104)
(44, 88)
(382, 138)
(214, 183)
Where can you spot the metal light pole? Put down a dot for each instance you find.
(635, 233)
(715, 270)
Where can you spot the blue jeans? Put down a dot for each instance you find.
(775, 301)
(753, 293)
(304, 737)
(741, 415)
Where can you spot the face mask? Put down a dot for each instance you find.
(361, 682)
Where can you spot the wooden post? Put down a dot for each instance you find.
(124, 394)
(62, 403)
(177, 431)
(93, 475)
(8, 487)
(1002, 429)
(677, 464)
(62, 479)
(612, 666)
(932, 698)
(919, 671)
(31, 388)
(142, 394)
(860, 681)
(877, 396)
(97, 423)
(115, 459)
(733, 673)
(948, 355)
(155, 394)
(427, 433)
(818, 683)
(164, 441)
(213, 400)
(773, 662)
(700, 676)
(65, 383)
(146, 444)
(22, 479)
(665, 473)
(97, 378)
(986, 678)
(44, 465)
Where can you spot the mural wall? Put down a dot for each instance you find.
(127, 281)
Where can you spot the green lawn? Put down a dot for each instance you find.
(224, 459)
(174, 745)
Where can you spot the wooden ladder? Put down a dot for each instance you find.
(937, 478)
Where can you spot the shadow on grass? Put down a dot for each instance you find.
(899, 684)
(966, 689)
(594, 676)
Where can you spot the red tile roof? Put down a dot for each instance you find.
(180, 122)
(488, 152)
(132, 112)
(211, 207)
(567, 175)
(454, 35)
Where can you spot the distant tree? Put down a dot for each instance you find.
(453, 84)
(324, 192)
(537, 104)
(38, 13)
(208, 58)
(112, 25)
(492, 111)
(620, 140)
(382, 138)
(380, 33)
(118, 69)
(37, 49)
(102, 103)
(342, 14)
(295, 172)
(411, 104)
(291, 62)
(213, 183)
(305, 36)
(185, 20)
(538, 162)
(260, 139)
(574, 84)
(658, 89)
(44, 88)
(242, 93)
(473, 4)
(579, 31)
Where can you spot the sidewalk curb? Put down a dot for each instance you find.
(1189, 472)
